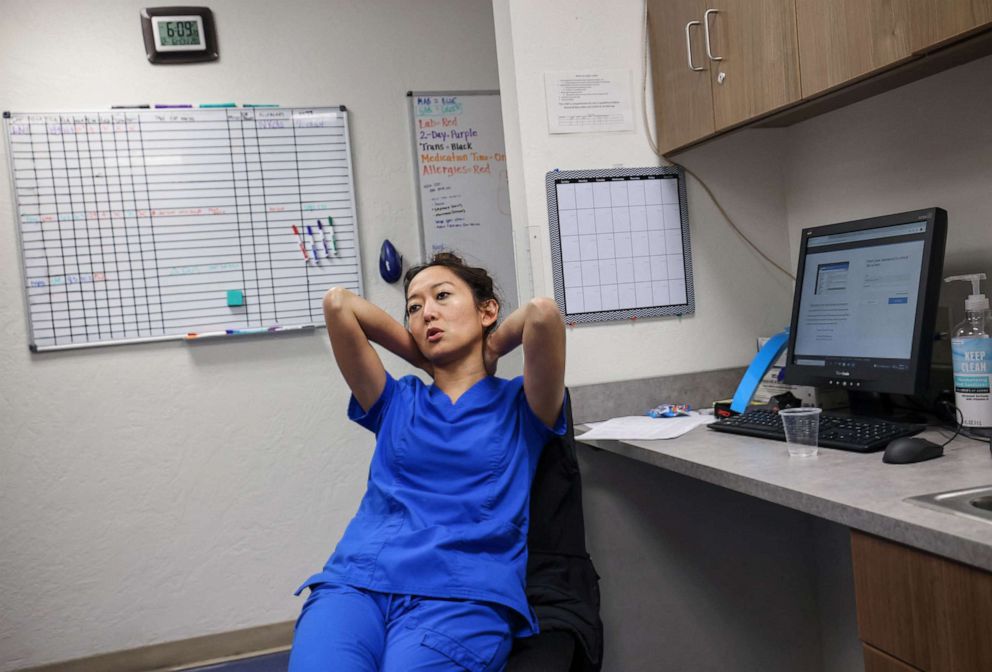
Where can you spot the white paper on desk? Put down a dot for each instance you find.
(643, 428)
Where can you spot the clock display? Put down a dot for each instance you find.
(175, 35)
(179, 33)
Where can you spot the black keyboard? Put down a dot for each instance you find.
(861, 435)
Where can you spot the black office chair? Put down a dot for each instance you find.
(562, 584)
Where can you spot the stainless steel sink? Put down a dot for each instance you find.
(972, 503)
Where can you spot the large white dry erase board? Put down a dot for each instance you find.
(620, 243)
(140, 225)
(462, 185)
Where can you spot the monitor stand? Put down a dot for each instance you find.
(880, 405)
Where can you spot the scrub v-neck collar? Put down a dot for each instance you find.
(440, 396)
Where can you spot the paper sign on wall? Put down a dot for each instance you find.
(589, 101)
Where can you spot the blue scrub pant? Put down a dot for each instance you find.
(348, 629)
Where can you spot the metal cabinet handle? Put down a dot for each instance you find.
(706, 33)
(688, 45)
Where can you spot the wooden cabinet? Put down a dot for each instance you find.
(843, 40)
(929, 613)
(755, 66)
(878, 661)
(951, 19)
(683, 100)
(720, 64)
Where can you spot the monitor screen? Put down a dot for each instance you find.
(865, 303)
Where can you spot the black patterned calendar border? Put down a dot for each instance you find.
(551, 180)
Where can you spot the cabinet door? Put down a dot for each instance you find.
(842, 40)
(955, 17)
(879, 661)
(759, 70)
(683, 102)
(930, 612)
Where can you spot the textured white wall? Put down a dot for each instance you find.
(156, 492)
(737, 297)
(925, 144)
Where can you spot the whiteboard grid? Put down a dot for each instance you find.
(135, 224)
(620, 243)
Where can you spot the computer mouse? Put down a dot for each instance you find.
(910, 449)
(390, 262)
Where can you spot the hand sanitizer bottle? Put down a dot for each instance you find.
(971, 352)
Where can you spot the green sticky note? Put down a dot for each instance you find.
(235, 298)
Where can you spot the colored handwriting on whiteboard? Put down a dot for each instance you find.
(57, 280)
(162, 212)
(433, 106)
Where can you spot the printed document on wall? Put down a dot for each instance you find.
(589, 101)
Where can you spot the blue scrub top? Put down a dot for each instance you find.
(445, 513)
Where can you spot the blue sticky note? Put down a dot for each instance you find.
(235, 298)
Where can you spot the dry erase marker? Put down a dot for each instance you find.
(299, 238)
(330, 227)
(323, 238)
(308, 241)
(245, 332)
(173, 107)
(313, 243)
(209, 334)
(319, 241)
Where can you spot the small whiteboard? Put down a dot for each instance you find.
(620, 243)
(140, 225)
(462, 186)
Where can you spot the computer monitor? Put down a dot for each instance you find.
(865, 306)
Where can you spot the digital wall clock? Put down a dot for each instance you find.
(179, 34)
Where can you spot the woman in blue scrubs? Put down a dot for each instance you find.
(429, 574)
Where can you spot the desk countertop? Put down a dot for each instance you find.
(856, 490)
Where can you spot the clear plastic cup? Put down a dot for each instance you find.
(801, 428)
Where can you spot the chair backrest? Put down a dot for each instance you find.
(562, 583)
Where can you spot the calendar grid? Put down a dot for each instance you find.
(620, 243)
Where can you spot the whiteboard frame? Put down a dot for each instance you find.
(550, 181)
(508, 304)
(410, 95)
(7, 116)
(15, 220)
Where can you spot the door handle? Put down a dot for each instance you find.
(688, 45)
(706, 34)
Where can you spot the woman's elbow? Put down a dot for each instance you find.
(545, 312)
(335, 299)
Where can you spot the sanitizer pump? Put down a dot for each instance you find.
(971, 351)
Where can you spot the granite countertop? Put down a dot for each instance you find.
(853, 489)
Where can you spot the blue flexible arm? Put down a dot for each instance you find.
(759, 367)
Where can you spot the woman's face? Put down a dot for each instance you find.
(443, 317)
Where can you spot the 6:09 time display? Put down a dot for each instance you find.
(178, 33)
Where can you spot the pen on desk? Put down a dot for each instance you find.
(172, 107)
(209, 105)
(258, 105)
(303, 247)
(130, 107)
(323, 238)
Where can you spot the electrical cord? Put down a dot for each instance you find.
(654, 148)
(958, 419)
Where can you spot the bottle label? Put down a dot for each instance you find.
(972, 359)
